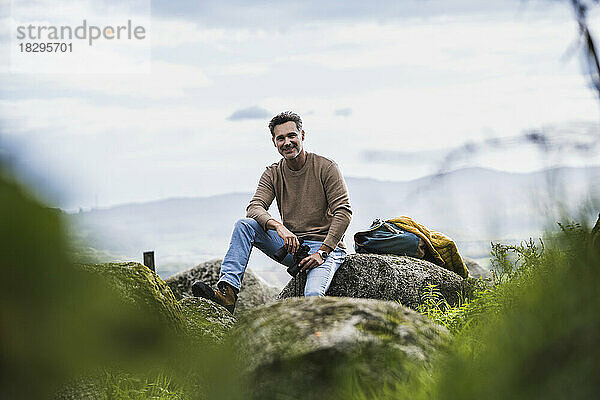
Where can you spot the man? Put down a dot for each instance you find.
(314, 205)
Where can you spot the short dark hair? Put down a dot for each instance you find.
(284, 117)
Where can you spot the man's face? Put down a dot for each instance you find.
(288, 140)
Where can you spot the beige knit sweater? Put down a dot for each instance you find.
(313, 202)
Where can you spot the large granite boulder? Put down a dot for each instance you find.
(385, 277)
(136, 287)
(327, 347)
(206, 320)
(476, 270)
(254, 291)
(185, 332)
(139, 289)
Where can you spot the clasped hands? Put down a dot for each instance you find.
(292, 244)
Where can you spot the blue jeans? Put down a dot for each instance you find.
(248, 233)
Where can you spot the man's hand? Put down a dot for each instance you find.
(310, 262)
(291, 241)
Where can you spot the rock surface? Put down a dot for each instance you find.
(206, 320)
(139, 288)
(191, 325)
(254, 291)
(306, 345)
(596, 233)
(386, 277)
(476, 270)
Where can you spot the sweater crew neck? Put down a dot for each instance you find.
(300, 171)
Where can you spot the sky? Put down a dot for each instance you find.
(389, 90)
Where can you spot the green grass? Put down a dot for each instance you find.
(514, 272)
(123, 386)
(533, 332)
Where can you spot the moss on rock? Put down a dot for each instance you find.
(322, 347)
(137, 286)
(206, 320)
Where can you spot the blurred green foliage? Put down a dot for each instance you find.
(95, 331)
(44, 326)
(533, 334)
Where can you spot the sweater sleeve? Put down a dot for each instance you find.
(338, 202)
(262, 199)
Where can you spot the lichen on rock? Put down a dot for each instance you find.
(386, 277)
(313, 344)
(206, 320)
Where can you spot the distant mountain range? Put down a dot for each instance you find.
(472, 205)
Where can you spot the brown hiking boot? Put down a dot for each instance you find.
(225, 295)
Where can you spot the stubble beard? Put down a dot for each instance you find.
(293, 155)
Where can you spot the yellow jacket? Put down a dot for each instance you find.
(441, 248)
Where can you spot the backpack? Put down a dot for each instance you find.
(386, 238)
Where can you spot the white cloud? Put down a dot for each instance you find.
(459, 44)
(420, 84)
(177, 32)
(166, 80)
(73, 10)
(64, 117)
(244, 69)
